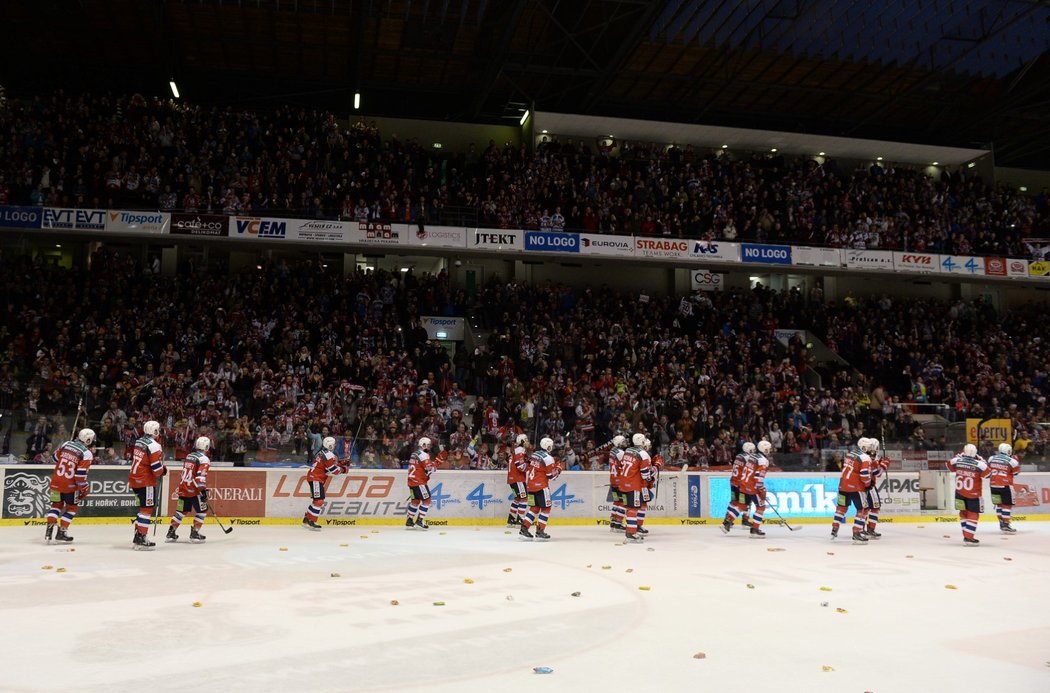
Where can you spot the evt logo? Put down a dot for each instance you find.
(440, 498)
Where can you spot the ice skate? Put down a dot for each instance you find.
(745, 521)
(1005, 528)
(196, 537)
(616, 527)
(410, 523)
(727, 526)
(872, 534)
(834, 532)
(524, 533)
(970, 541)
(643, 530)
(859, 536)
(171, 536)
(757, 533)
(541, 535)
(633, 539)
(311, 525)
(62, 536)
(49, 532)
(422, 524)
(141, 542)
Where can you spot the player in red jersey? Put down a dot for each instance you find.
(420, 467)
(752, 491)
(69, 484)
(616, 518)
(636, 472)
(325, 464)
(193, 492)
(516, 469)
(542, 469)
(147, 468)
(1004, 468)
(854, 485)
(746, 451)
(879, 466)
(970, 471)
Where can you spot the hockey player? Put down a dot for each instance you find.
(1004, 468)
(516, 469)
(656, 463)
(420, 467)
(752, 490)
(636, 470)
(970, 471)
(147, 468)
(854, 486)
(193, 492)
(69, 484)
(615, 495)
(746, 451)
(542, 469)
(879, 465)
(325, 464)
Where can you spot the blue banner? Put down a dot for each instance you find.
(21, 217)
(792, 496)
(694, 485)
(766, 254)
(552, 241)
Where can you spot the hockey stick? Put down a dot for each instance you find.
(782, 520)
(225, 530)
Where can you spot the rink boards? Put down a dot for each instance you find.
(247, 496)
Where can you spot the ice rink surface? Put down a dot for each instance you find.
(284, 609)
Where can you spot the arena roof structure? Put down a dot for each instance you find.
(960, 73)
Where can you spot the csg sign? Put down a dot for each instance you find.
(766, 254)
(704, 280)
(549, 241)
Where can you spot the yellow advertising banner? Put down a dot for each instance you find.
(992, 430)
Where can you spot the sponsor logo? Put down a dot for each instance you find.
(343, 486)
(869, 258)
(487, 238)
(691, 521)
(995, 266)
(1039, 268)
(424, 234)
(20, 217)
(606, 243)
(136, 219)
(238, 521)
(704, 280)
(443, 322)
(26, 495)
(551, 241)
(262, 228)
(340, 523)
(199, 225)
(921, 260)
(766, 254)
(74, 218)
(646, 244)
(705, 248)
(378, 232)
(1017, 268)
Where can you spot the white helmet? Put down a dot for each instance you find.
(424, 443)
(522, 439)
(203, 443)
(547, 444)
(619, 441)
(970, 450)
(765, 447)
(151, 428)
(873, 445)
(1005, 449)
(86, 436)
(638, 440)
(647, 444)
(749, 448)
(328, 443)
(862, 443)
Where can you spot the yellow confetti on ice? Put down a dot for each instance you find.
(841, 610)
(60, 570)
(283, 548)
(47, 567)
(439, 603)
(344, 545)
(629, 570)
(507, 570)
(336, 575)
(644, 588)
(700, 655)
(394, 602)
(198, 604)
(825, 589)
(827, 668)
(468, 581)
(950, 587)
